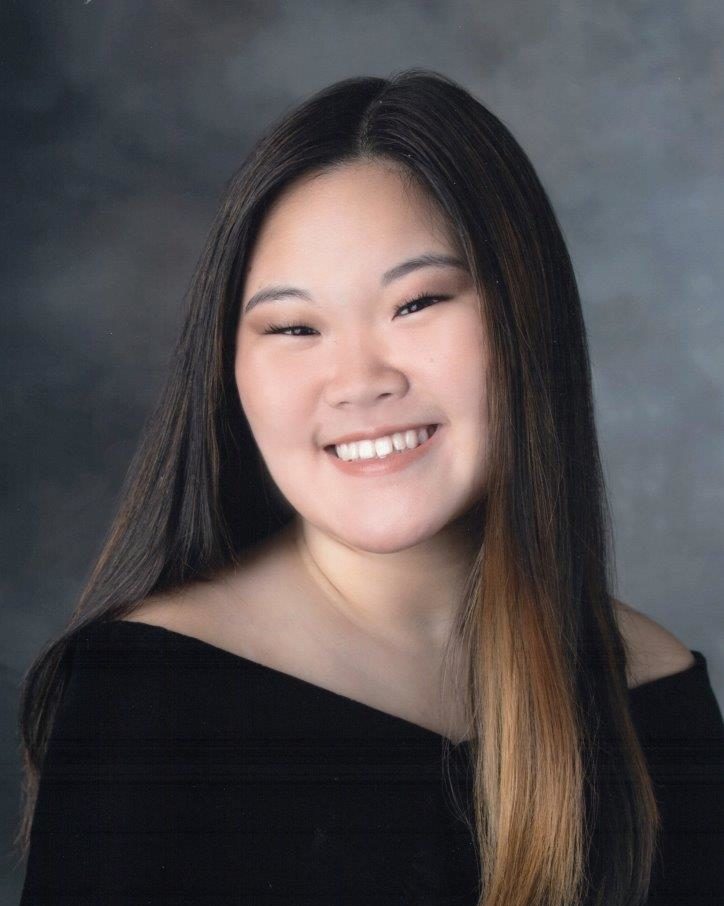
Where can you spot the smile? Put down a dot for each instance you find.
(385, 445)
(387, 454)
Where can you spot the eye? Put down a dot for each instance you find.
(283, 328)
(418, 300)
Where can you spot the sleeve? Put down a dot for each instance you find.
(110, 798)
(681, 724)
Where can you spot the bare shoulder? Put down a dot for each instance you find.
(186, 607)
(653, 651)
(234, 610)
(171, 610)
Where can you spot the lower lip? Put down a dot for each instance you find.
(389, 464)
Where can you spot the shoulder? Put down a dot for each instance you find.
(114, 668)
(652, 650)
(191, 609)
(255, 580)
(126, 682)
(168, 610)
(241, 608)
(112, 690)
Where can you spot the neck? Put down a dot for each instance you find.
(409, 598)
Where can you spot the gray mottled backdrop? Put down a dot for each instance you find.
(124, 121)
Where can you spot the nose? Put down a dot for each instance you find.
(362, 373)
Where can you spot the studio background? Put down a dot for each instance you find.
(124, 123)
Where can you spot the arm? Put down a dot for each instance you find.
(108, 803)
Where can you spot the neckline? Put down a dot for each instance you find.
(184, 638)
(633, 691)
(698, 665)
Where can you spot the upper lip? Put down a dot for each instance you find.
(382, 431)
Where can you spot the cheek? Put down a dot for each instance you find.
(459, 358)
(253, 389)
(268, 395)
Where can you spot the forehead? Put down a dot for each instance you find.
(366, 213)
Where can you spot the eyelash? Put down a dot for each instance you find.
(281, 328)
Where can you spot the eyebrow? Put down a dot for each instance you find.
(428, 259)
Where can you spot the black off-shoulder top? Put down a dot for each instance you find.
(180, 773)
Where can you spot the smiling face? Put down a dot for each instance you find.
(358, 361)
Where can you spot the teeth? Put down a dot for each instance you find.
(383, 446)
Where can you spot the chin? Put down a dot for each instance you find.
(384, 538)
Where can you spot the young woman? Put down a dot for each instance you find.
(352, 637)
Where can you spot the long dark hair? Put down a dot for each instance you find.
(564, 811)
